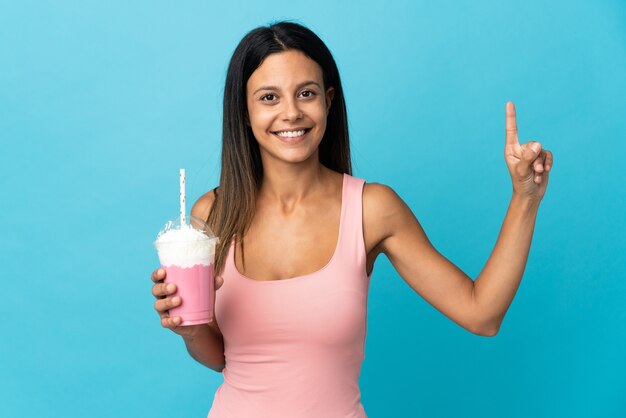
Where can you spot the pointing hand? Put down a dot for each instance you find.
(528, 164)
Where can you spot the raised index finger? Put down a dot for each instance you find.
(511, 125)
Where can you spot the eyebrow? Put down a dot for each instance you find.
(304, 83)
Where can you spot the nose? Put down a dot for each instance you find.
(291, 110)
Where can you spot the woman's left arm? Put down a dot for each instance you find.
(529, 167)
(478, 306)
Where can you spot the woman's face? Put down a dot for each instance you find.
(287, 106)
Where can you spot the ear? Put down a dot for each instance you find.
(247, 119)
(330, 93)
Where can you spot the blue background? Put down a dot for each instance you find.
(102, 102)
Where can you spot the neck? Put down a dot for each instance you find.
(287, 184)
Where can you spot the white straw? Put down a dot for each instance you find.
(182, 197)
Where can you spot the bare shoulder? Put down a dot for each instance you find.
(379, 194)
(381, 201)
(383, 210)
(203, 205)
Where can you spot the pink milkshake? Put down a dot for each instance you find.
(186, 252)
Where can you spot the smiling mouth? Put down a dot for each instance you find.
(291, 135)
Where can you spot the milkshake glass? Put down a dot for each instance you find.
(187, 254)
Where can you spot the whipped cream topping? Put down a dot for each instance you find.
(185, 247)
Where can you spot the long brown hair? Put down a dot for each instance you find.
(242, 170)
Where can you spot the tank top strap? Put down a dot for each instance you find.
(352, 245)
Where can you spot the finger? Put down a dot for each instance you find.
(540, 178)
(511, 125)
(539, 163)
(167, 322)
(158, 275)
(530, 152)
(548, 162)
(539, 167)
(163, 289)
(164, 305)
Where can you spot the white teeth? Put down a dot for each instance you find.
(291, 134)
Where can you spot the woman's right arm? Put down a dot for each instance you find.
(207, 347)
(205, 342)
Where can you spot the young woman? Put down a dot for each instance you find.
(300, 235)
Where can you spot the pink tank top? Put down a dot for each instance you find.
(294, 347)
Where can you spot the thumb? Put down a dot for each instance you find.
(530, 152)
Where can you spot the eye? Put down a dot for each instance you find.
(308, 93)
(263, 98)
